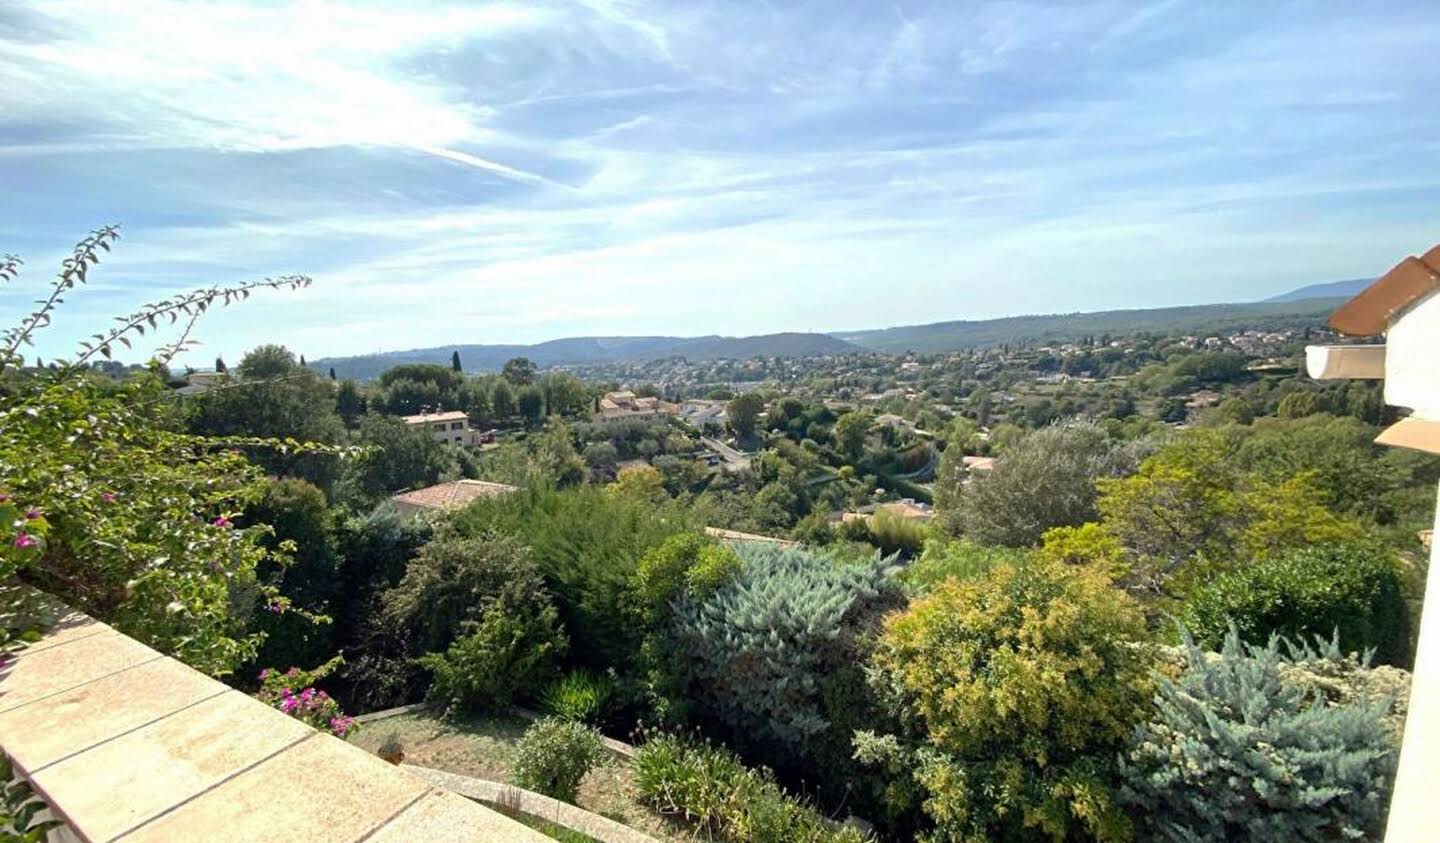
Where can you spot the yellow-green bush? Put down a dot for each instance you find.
(1013, 691)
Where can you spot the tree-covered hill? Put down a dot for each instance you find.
(1207, 318)
(576, 350)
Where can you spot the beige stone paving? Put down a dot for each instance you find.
(128, 745)
(112, 793)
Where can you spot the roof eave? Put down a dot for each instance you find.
(1372, 309)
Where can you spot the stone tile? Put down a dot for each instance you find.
(136, 777)
(24, 607)
(67, 627)
(50, 671)
(442, 817)
(320, 789)
(75, 720)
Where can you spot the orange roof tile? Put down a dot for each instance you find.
(453, 494)
(1370, 311)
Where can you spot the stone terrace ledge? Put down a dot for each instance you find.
(128, 745)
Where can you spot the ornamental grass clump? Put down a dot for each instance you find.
(1236, 751)
(725, 799)
(579, 696)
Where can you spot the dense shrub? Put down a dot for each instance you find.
(1233, 751)
(1045, 480)
(1193, 508)
(110, 508)
(588, 545)
(757, 651)
(480, 611)
(717, 793)
(1013, 691)
(374, 551)
(684, 565)
(298, 513)
(1350, 590)
(501, 656)
(554, 755)
(955, 559)
(451, 583)
(580, 696)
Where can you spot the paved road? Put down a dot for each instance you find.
(734, 460)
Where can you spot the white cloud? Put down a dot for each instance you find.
(507, 171)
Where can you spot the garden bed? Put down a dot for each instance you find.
(484, 747)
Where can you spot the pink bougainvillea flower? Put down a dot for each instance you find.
(31, 514)
(107, 497)
(222, 522)
(25, 540)
(265, 674)
(288, 704)
(4, 497)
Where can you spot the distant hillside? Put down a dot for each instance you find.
(954, 336)
(478, 358)
(1333, 290)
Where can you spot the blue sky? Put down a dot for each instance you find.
(514, 172)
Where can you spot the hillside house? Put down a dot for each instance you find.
(446, 496)
(625, 405)
(700, 413)
(452, 427)
(1403, 305)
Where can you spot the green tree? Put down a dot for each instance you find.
(268, 361)
(640, 482)
(850, 431)
(518, 371)
(1045, 480)
(275, 399)
(395, 457)
(455, 361)
(531, 403)
(565, 394)
(1351, 592)
(1298, 405)
(299, 514)
(1193, 507)
(502, 400)
(349, 403)
(1236, 410)
(744, 413)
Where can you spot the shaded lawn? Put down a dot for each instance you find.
(484, 748)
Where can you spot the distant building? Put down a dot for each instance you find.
(444, 496)
(700, 413)
(908, 508)
(1203, 398)
(737, 537)
(200, 382)
(619, 406)
(449, 427)
(979, 463)
(897, 422)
